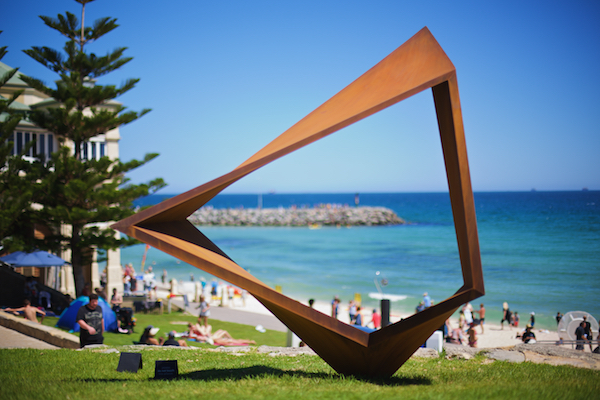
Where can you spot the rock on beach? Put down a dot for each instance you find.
(325, 215)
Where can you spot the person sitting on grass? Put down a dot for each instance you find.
(29, 312)
(148, 336)
(171, 341)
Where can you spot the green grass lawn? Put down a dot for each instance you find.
(177, 321)
(91, 374)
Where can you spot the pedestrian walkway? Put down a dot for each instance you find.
(10, 339)
(230, 314)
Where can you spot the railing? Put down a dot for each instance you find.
(573, 343)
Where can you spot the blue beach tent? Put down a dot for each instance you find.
(67, 318)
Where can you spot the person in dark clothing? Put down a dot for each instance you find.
(148, 336)
(587, 328)
(580, 336)
(91, 321)
(528, 335)
(506, 316)
(171, 340)
(558, 317)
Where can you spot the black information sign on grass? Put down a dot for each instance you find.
(130, 362)
(166, 369)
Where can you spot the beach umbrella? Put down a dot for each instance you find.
(38, 258)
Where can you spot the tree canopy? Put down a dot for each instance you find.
(74, 191)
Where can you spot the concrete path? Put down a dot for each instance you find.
(244, 317)
(11, 339)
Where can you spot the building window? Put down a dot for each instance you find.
(102, 150)
(12, 149)
(41, 144)
(19, 142)
(34, 151)
(94, 156)
(50, 143)
(27, 135)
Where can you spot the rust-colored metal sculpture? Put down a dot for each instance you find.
(418, 64)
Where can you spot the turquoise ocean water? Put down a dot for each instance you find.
(540, 251)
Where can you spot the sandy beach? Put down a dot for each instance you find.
(493, 337)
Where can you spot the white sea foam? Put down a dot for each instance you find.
(390, 297)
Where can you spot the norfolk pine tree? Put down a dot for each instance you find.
(74, 191)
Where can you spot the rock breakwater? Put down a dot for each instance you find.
(329, 216)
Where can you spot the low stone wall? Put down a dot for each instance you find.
(329, 216)
(45, 333)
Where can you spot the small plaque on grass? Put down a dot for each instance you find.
(166, 369)
(130, 362)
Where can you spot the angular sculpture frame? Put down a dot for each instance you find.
(418, 64)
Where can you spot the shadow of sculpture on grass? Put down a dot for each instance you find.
(261, 371)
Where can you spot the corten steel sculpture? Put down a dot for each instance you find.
(418, 64)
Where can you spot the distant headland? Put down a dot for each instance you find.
(324, 215)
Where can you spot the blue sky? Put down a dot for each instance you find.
(225, 78)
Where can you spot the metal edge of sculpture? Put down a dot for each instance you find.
(418, 64)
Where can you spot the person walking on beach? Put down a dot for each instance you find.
(587, 328)
(213, 289)
(481, 313)
(515, 320)
(580, 336)
(358, 317)
(204, 311)
(335, 307)
(91, 321)
(558, 317)
(506, 315)
(532, 319)
(467, 308)
(376, 319)
(29, 312)
(351, 311)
